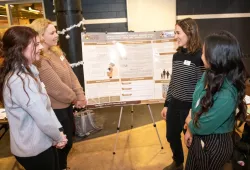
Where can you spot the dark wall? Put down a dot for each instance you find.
(238, 26)
(48, 7)
(105, 9)
(98, 9)
(113, 27)
(193, 7)
(102, 9)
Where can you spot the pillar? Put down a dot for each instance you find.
(68, 13)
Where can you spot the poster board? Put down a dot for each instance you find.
(127, 68)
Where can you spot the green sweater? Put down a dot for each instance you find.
(220, 117)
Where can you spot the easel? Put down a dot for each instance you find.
(132, 119)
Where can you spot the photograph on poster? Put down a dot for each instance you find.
(164, 90)
(165, 74)
(112, 70)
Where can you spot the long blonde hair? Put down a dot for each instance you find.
(40, 25)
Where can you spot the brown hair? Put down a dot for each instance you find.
(15, 40)
(190, 28)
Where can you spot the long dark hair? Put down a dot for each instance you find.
(15, 40)
(190, 28)
(223, 54)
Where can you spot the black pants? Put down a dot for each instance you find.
(175, 123)
(65, 116)
(217, 150)
(46, 160)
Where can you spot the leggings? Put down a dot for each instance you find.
(65, 117)
(175, 123)
(47, 160)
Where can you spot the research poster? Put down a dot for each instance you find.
(127, 68)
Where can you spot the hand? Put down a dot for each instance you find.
(61, 144)
(188, 138)
(80, 104)
(164, 113)
(189, 118)
(63, 138)
(74, 102)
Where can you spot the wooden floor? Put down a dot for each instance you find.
(138, 148)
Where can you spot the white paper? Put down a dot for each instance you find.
(127, 66)
(3, 114)
(137, 62)
(137, 90)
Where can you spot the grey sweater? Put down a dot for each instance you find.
(33, 123)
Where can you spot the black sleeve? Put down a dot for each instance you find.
(199, 65)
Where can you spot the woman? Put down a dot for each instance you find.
(186, 72)
(217, 95)
(34, 127)
(60, 81)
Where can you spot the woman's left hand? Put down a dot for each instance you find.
(188, 138)
(80, 103)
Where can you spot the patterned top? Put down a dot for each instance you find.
(187, 70)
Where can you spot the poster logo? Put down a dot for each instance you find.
(91, 37)
(167, 34)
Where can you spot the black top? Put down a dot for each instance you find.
(187, 69)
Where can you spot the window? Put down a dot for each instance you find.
(24, 14)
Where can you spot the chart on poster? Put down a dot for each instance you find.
(127, 67)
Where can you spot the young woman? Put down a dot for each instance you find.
(217, 95)
(34, 128)
(186, 72)
(60, 81)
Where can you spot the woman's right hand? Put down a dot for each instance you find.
(188, 138)
(164, 113)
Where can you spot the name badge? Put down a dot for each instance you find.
(197, 103)
(62, 57)
(187, 63)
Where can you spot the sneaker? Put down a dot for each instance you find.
(174, 166)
